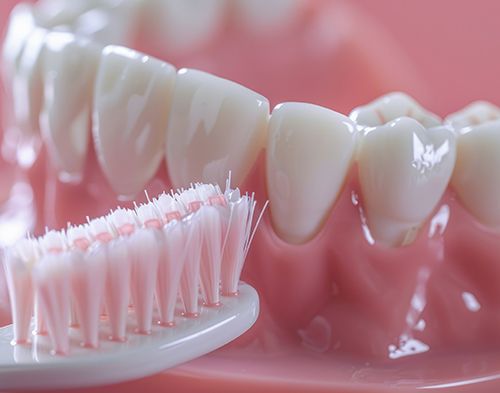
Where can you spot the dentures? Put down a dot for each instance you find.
(132, 261)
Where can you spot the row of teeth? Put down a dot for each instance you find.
(191, 242)
(142, 110)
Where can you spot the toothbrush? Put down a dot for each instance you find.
(102, 297)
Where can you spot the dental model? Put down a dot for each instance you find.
(377, 267)
(108, 274)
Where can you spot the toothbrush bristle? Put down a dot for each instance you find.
(187, 244)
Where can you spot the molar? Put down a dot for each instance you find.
(391, 106)
(309, 153)
(215, 126)
(69, 67)
(131, 108)
(476, 178)
(404, 170)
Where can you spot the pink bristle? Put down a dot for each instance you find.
(123, 220)
(149, 216)
(100, 230)
(53, 242)
(18, 274)
(170, 267)
(88, 277)
(52, 285)
(117, 293)
(169, 208)
(211, 255)
(144, 249)
(190, 277)
(78, 237)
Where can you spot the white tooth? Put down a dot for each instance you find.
(474, 114)
(267, 16)
(404, 170)
(131, 107)
(69, 67)
(476, 178)
(309, 153)
(27, 89)
(215, 126)
(21, 24)
(184, 26)
(391, 106)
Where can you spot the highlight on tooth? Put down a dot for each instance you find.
(93, 278)
(404, 170)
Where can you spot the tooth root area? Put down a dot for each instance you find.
(65, 277)
(390, 107)
(474, 114)
(404, 170)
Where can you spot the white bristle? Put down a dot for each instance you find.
(123, 221)
(147, 212)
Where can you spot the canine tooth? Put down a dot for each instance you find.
(131, 106)
(65, 117)
(267, 16)
(474, 114)
(404, 170)
(27, 84)
(475, 178)
(215, 126)
(185, 25)
(391, 106)
(309, 152)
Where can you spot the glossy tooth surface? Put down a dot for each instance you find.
(404, 170)
(474, 114)
(309, 153)
(131, 107)
(391, 106)
(267, 16)
(21, 24)
(27, 83)
(184, 26)
(66, 113)
(215, 126)
(476, 178)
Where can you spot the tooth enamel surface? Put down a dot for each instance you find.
(391, 106)
(27, 88)
(215, 126)
(131, 106)
(267, 16)
(404, 170)
(65, 117)
(21, 24)
(476, 178)
(183, 26)
(474, 114)
(309, 153)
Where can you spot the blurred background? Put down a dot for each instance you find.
(453, 45)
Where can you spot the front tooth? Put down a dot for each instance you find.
(184, 26)
(476, 178)
(474, 114)
(404, 170)
(309, 152)
(65, 118)
(216, 126)
(131, 106)
(391, 106)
